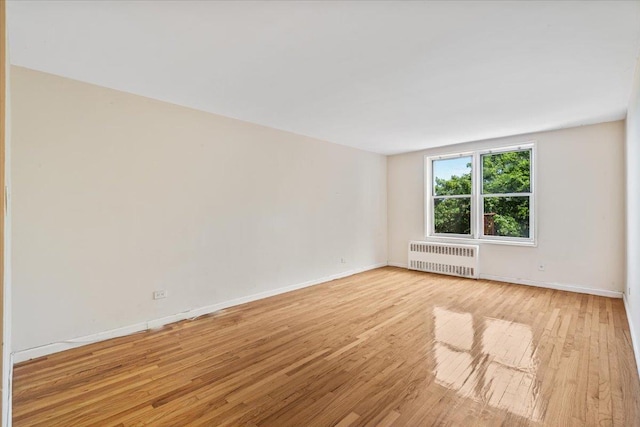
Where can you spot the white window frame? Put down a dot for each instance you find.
(477, 198)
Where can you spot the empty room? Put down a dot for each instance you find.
(320, 213)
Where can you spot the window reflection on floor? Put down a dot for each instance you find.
(487, 360)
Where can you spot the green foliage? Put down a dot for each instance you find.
(456, 185)
(507, 226)
(502, 173)
(453, 215)
(506, 172)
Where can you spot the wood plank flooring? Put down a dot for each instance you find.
(388, 347)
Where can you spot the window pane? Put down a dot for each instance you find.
(452, 176)
(506, 216)
(452, 215)
(508, 172)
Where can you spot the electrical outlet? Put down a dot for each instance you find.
(343, 261)
(159, 294)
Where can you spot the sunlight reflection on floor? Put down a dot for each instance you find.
(487, 360)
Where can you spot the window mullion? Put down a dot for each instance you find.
(507, 195)
(453, 196)
(476, 207)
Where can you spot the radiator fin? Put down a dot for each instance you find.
(457, 260)
(443, 250)
(434, 267)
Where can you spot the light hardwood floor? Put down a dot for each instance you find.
(388, 347)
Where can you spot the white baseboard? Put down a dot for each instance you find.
(557, 286)
(397, 264)
(634, 343)
(32, 353)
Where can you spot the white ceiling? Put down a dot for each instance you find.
(387, 77)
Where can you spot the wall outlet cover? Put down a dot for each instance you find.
(159, 294)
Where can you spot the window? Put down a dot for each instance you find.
(484, 195)
(452, 196)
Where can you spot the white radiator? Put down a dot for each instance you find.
(444, 258)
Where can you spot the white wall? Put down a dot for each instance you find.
(580, 215)
(633, 213)
(116, 195)
(7, 363)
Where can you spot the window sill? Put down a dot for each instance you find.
(471, 241)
